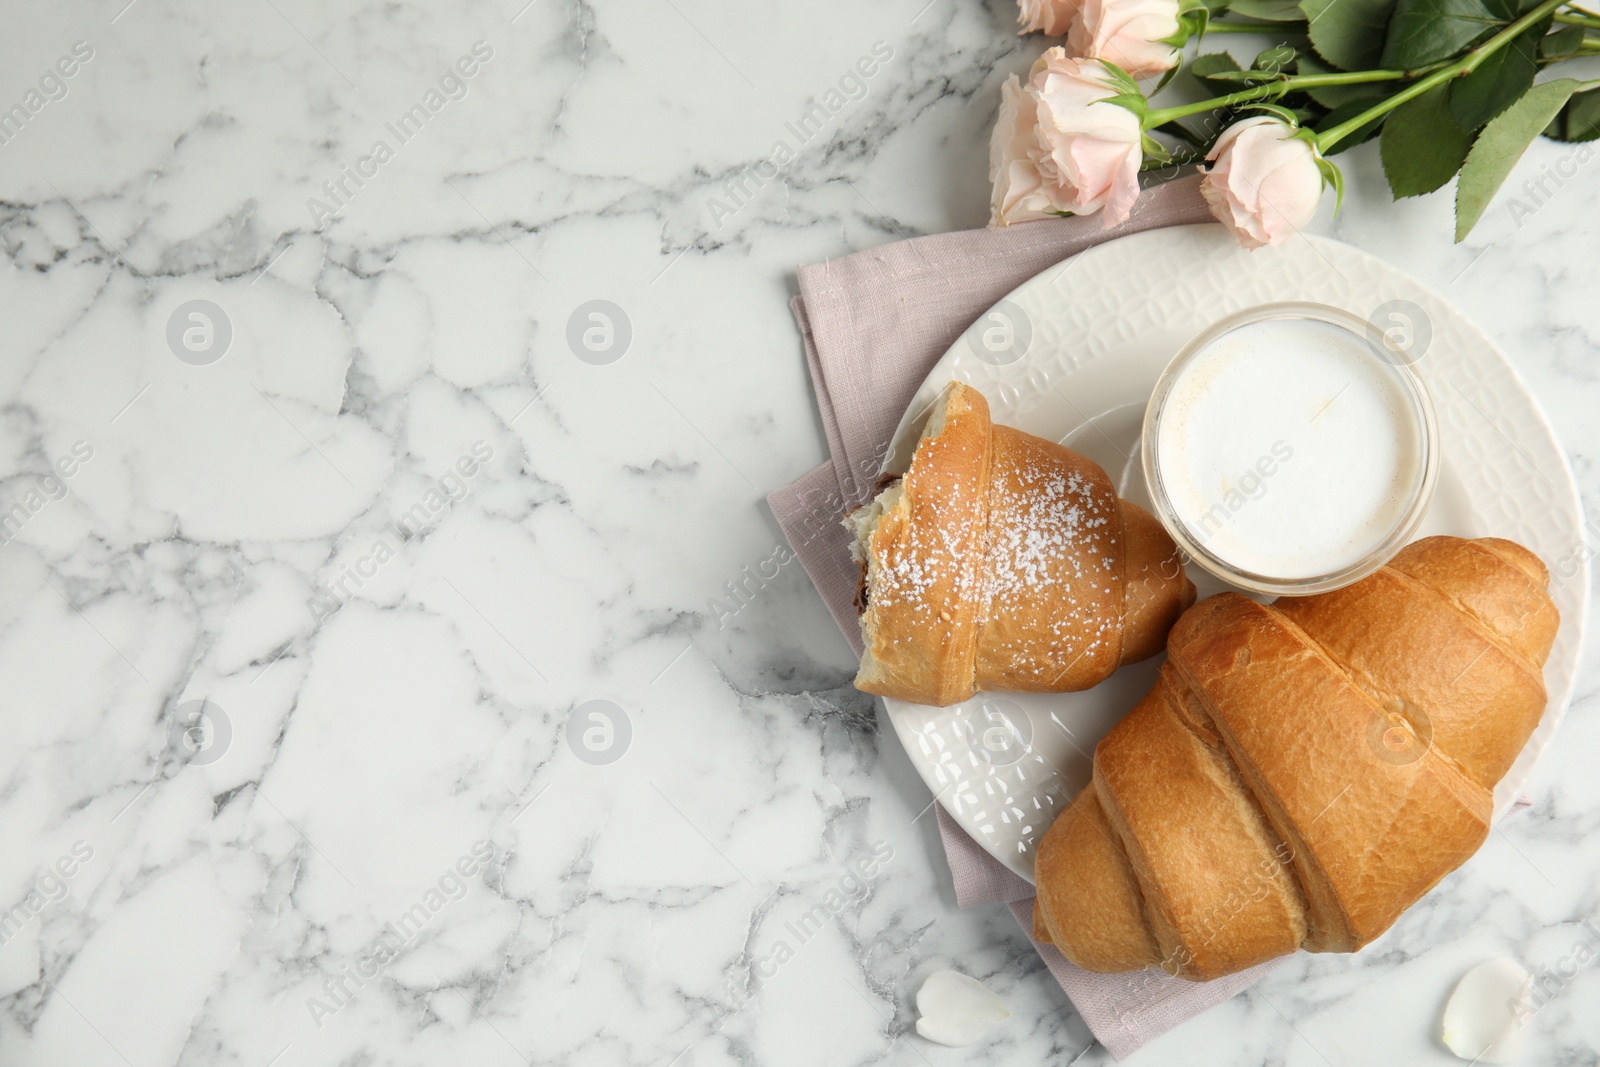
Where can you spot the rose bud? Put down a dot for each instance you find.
(1266, 180)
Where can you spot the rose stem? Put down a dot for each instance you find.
(1276, 87)
(1588, 21)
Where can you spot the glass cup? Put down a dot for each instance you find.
(1388, 360)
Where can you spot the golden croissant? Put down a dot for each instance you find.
(1005, 561)
(1302, 772)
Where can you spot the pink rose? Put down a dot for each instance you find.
(1019, 193)
(1059, 147)
(1266, 183)
(1134, 34)
(1050, 17)
(1092, 149)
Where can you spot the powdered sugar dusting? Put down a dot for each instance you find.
(918, 557)
(1053, 596)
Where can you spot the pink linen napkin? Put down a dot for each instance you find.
(874, 323)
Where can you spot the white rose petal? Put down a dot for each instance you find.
(1486, 1018)
(956, 1010)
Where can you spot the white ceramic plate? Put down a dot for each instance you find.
(1073, 355)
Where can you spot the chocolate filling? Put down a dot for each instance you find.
(885, 480)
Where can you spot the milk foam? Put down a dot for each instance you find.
(1289, 448)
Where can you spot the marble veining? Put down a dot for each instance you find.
(366, 696)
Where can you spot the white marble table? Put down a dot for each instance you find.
(397, 531)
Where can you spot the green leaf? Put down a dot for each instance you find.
(1498, 81)
(1562, 43)
(1275, 60)
(1348, 33)
(1268, 10)
(1423, 146)
(1207, 67)
(1510, 10)
(1500, 145)
(1426, 31)
(1330, 96)
(1347, 111)
(1579, 120)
